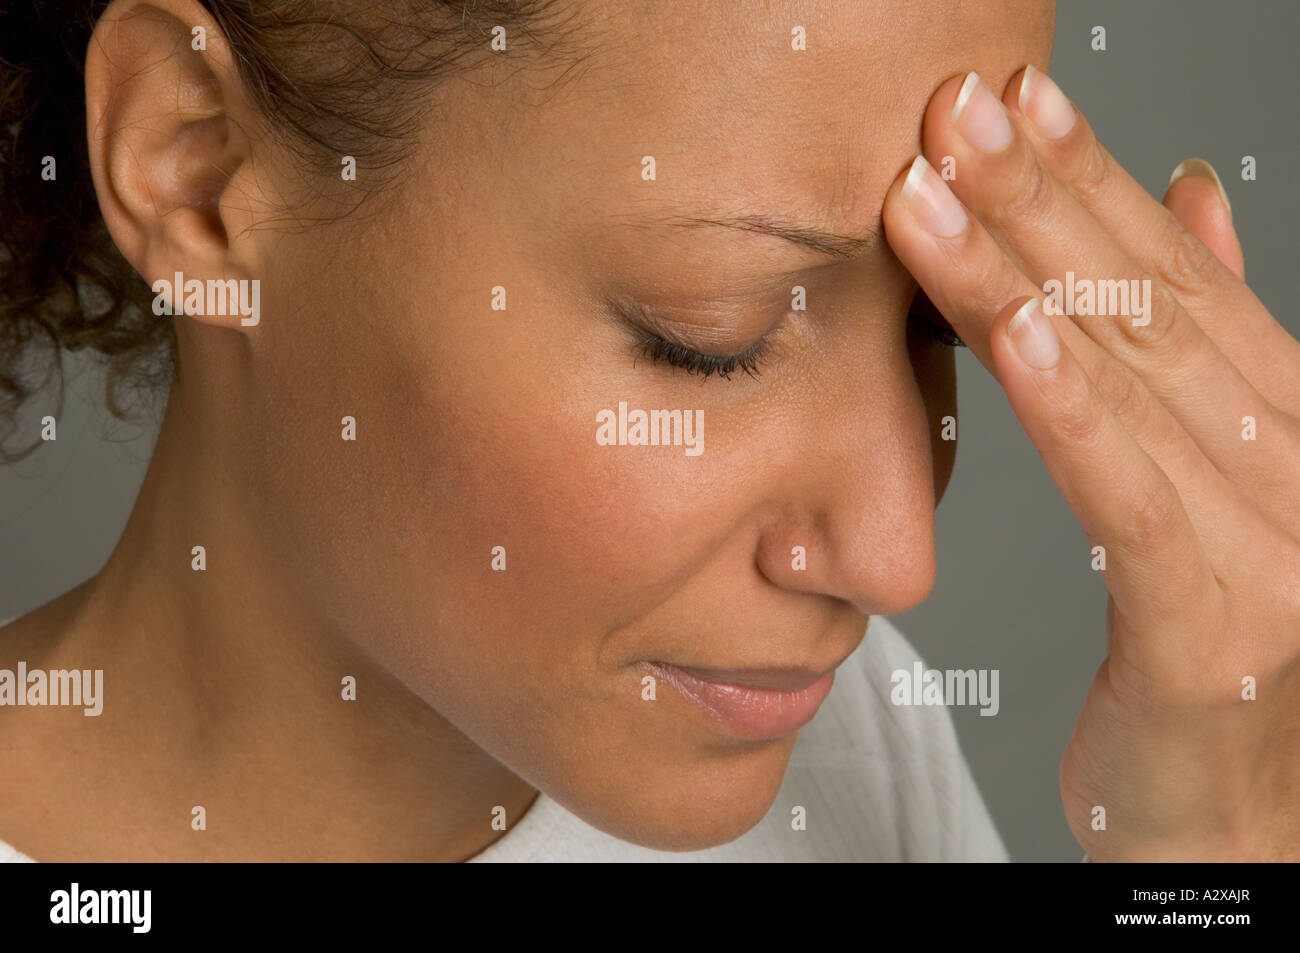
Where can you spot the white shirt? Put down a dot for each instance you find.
(877, 782)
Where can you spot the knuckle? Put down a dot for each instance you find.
(1078, 420)
(1137, 686)
(1090, 177)
(1191, 266)
(1153, 515)
(1121, 391)
(1032, 196)
(1163, 312)
(992, 286)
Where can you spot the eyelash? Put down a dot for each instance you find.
(659, 351)
(940, 333)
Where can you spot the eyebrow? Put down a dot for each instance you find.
(827, 243)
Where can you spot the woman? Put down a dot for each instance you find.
(563, 418)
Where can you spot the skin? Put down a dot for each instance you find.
(1201, 526)
(476, 429)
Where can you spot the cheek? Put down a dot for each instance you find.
(477, 449)
(481, 434)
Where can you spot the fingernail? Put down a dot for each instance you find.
(1205, 170)
(1034, 337)
(931, 202)
(980, 118)
(1044, 105)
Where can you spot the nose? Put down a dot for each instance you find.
(851, 501)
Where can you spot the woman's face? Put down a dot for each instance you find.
(480, 427)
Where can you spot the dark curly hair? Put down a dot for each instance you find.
(64, 285)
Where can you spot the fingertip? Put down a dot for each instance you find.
(1013, 96)
(1032, 337)
(1197, 200)
(1202, 170)
(937, 130)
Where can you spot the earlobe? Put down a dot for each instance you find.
(164, 106)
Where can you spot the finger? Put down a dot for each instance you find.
(1220, 303)
(962, 270)
(1196, 198)
(1003, 181)
(1156, 570)
(970, 279)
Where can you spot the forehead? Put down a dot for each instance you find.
(737, 121)
(826, 127)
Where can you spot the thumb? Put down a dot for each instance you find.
(1197, 199)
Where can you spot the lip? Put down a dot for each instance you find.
(758, 704)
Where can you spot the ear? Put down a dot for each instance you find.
(166, 116)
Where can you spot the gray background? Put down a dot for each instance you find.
(1015, 591)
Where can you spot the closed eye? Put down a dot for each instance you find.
(939, 333)
(684, 358)
(661, 348)
(927, 320)
(749, 360)
(923, 318)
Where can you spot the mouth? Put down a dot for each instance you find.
(756, 704)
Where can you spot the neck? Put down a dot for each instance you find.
(227, 691)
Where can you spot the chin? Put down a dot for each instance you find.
(709, 802)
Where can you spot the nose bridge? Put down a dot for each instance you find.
(856, 492)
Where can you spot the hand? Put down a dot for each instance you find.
(1142, 421)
